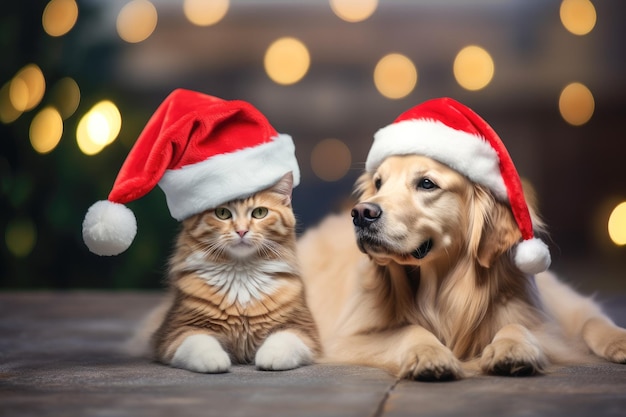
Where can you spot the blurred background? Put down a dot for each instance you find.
(79, 80)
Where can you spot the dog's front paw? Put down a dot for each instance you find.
(201, 353)
(508, 357)
(281, 351)
(431, 363)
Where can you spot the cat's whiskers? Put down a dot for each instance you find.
(269, 248)
(234, 289)
(214, 249)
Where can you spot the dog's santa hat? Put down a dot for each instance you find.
(202, 151)
(453, 134)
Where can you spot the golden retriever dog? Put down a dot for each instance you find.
(420, 279)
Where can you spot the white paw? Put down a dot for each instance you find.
(201, 353)
(281, 351)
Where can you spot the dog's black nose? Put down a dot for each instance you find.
(364, 214)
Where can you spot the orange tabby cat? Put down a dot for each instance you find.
(237, 293)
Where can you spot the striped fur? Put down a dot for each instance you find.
(239, 290)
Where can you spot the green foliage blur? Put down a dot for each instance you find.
(51, 193)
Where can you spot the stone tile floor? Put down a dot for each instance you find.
(61, 355)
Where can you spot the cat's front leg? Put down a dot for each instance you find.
(201, 353)
(283, 350)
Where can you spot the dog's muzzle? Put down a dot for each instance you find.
(365, 214)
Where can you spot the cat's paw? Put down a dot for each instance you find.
(281, 351)
(201, 353)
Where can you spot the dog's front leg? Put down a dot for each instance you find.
(410, 352)
(514, 351)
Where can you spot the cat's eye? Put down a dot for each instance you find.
(223, 213)
(426, 184)
(259, 212)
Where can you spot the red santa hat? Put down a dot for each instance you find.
(453, 134)
(202, 151)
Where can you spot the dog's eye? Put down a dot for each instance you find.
(377, 183)
(426, 184)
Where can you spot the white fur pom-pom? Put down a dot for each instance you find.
(532, 256)
(109, 228)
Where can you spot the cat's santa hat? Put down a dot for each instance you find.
(451, 133)
(202, 151)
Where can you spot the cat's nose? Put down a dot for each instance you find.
(241, 233)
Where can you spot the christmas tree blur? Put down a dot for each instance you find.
(47, 181)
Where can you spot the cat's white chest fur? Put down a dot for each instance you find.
(240, 281)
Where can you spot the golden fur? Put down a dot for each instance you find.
(236, 280)
(463, 306)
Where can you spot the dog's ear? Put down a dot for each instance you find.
(539, 227)
(493, 230)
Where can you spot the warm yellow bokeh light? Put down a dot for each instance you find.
(331, 159)
(66, 96)
(84, 141)
(578, 16)
(98, 128)
(136, 21)
(473, 68)
(8, 113)
(18, 94)
(46, 130)
(59, 17)
(27, 88)
(353, 10)
(576, 104)
(617, 224)
(109, 112)
(20, 237)
(287, 60)
(395, 76)
(205, 12)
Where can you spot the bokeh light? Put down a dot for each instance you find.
(205, 12)
(395, 76)
(617, 224)
(46, 130)
(353, 10)
(98, 128)
(576, 104)
(136, 21)
(331, 159)
(287, 61)
(578, 16)
(8, 113)
(20, 237)
(66, 96)
(473, 68)
(59, 17)
(27, 88)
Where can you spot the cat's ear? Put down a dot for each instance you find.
(284, 186)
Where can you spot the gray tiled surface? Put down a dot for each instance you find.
(60, 356)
